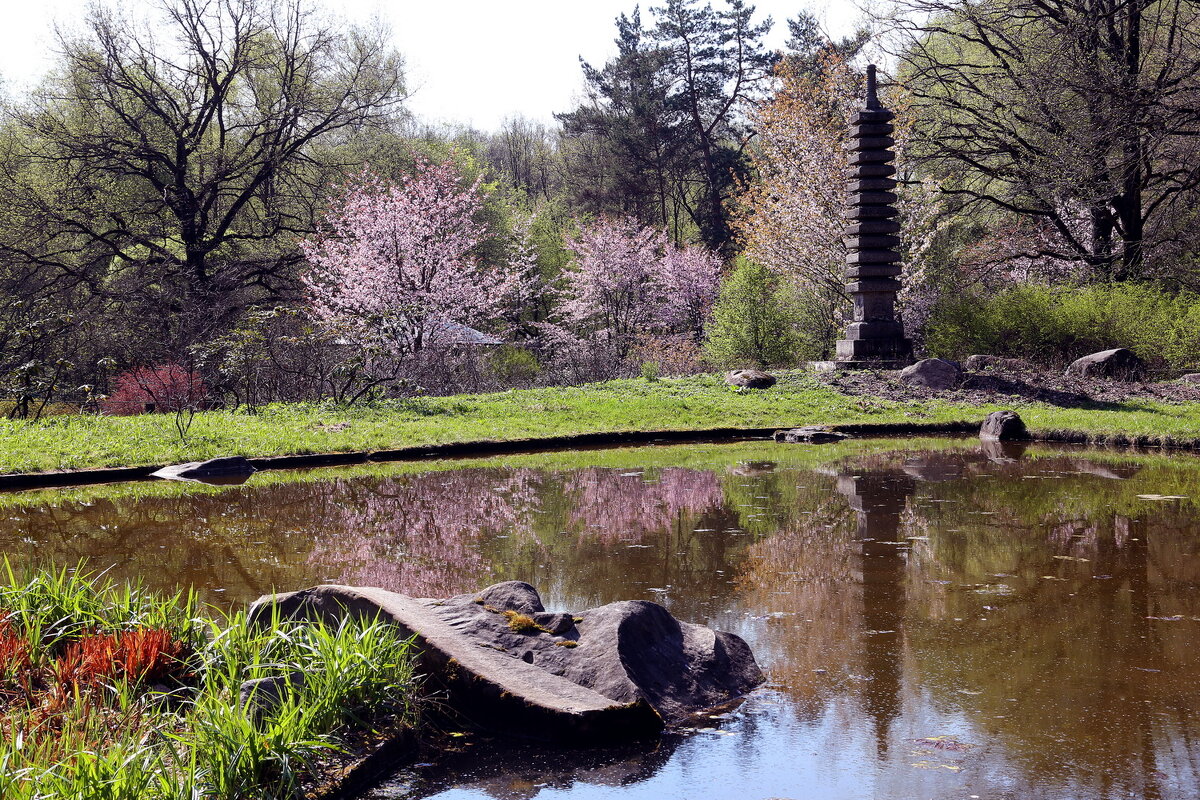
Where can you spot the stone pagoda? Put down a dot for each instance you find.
(874, 338)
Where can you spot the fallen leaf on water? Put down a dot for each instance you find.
(1162, 497)
(1052, 578)
(1173, 618)
(931, 765)
(1070, 558)
(946, 742)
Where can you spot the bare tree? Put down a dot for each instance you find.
(1079, 115)
(524, 151)
(170, 159)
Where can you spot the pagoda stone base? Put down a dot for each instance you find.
(890, 352)
(846, 366)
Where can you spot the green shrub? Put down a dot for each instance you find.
(1054, 325)
(754, 322)
(511, 365)
(650, 370)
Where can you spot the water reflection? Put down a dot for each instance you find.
(514, 771)
(937, 620)
(879, 499)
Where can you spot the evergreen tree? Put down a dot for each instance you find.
(664, 133)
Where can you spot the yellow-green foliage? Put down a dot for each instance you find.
(523, 623)
(1055, 325)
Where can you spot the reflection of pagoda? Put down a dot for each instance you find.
(879, 498)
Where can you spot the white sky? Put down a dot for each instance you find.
(468, 61)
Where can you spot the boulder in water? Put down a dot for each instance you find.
(1003, 426)
(619, 671)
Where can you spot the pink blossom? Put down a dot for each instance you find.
(629, 281)
(394, 260)
(688, 280)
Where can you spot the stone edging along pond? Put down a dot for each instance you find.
(81, 477)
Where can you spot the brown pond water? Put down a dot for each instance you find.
(937, 620)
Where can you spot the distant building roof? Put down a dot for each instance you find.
(447, 333)
(455, 333)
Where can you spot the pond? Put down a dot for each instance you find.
(938, 618)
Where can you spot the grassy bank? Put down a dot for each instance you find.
(111, 692)
(694, 403)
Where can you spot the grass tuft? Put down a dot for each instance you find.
(113, 693)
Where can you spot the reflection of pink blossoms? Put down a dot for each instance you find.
(423, 535)
(614, 506)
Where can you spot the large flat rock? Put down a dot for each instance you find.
(620, 671)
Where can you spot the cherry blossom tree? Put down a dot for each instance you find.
(688, 278)
(612, 292)
(792, 218)
(393, 264)
(630, 282)
(527, 287)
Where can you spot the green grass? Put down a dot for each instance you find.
(81, 719)
(694, 403)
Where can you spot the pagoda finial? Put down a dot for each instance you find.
(872, 98)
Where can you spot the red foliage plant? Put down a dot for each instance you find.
(166, 387)
(139, 656)
(14, 650)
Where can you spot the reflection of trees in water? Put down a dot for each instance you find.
(1051, 655)
(836, 577)
(242, 541)
(431, 534)
(1105, 698)
(609, 534)
(805, 574)
(451, 532)
(421, 534)
(1070, 673)
(622, 506)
